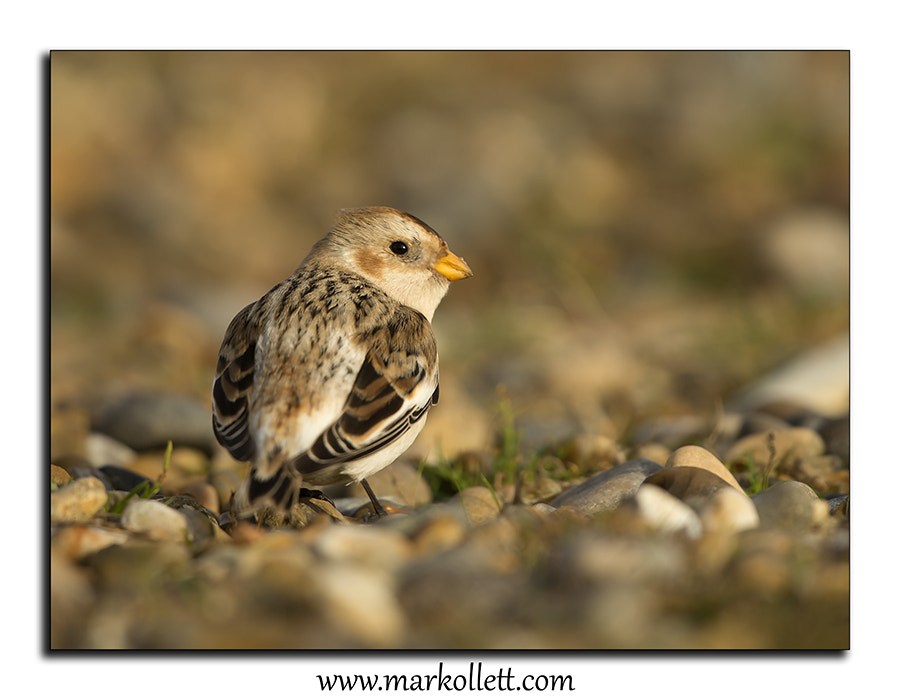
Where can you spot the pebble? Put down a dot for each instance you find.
(59, 476)
(138, 568)
(79, 541)
(606, 490)
(729, 510)
(790, 444)
(654, 451)
(376, 547)
(155, 520)
(590, 450)
(666, 513)
(71, 598)
(78, 501)
(202, 531)
(149, 421)
(203, 492)
(809, 248)
(101, 450)
(839, 505)
(360, 602)
(121, 479)
(690, 484)
(69, 428)
(819, 380)
(791, 506)
(401, 482)
(438, 529)
(226, 482)
(693, 456)
(671, 430)
(836, 435)
(478, 503)
(591, 557)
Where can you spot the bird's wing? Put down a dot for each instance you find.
(394, 388)
(233, 384)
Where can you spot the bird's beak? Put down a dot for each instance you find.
(453, 267)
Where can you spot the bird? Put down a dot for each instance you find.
(329, 376)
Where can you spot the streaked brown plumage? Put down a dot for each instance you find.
(329, 376)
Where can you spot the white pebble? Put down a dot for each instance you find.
(665, 512)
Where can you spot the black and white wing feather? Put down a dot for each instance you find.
(233, 385)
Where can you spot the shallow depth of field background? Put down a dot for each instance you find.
(650, 232)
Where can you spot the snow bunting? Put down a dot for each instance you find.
(328, 377)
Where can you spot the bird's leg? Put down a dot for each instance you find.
(379, 509)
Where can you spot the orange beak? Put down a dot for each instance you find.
(453, 267)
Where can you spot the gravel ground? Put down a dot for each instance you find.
(643, 435)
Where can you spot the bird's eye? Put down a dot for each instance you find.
(399, 248)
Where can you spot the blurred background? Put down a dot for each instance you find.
(651, 232)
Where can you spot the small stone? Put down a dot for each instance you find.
(68, 431)
(836, 434)
(729, 510)
(401, 482)
(672, 430)
(666, 513)
(819, 380)
(789, 505)
(78, 501)
(101, 450)
(653, 451)
(762, 422)
(592, 557)
(59, 476)
(376, 547)
(71, 598)
(156, 520)
(188, 461)
(479, 504)
(605, 491)
(694, 456)
(147, 422)
(690, 484)
(138, 567)
(780, 448)
(590, 450)
(438, 531)
(839, 505)
(360, 602)
(226, 482)
(203, 492)
(78, 541)
(203, 531)
(544, 509)
(121, 479)
(810, 250)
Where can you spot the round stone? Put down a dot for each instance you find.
(479, 504)
(401, 482)
(729, 510)
(377, 547)
(78, 501)
(666, 513)
(146, 422)
(694, 456)
(606, 490)
(156, 520)
(789, 505)
(59, 476)
(776, 447)
(690, 484)
(79, 541)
